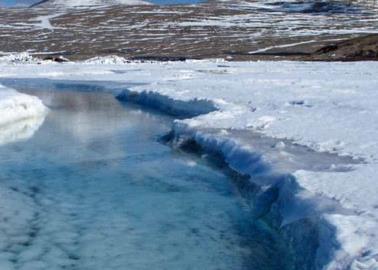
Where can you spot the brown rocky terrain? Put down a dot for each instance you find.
(362, 48)
(229, 30)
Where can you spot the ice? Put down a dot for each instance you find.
(45, 21)
(15, 107)
(328, 108)
(19, 58)
(94, 189)
(107, 60)
(20, 130)
(20, 115)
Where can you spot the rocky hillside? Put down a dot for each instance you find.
(86, 3)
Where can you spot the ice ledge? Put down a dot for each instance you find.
(170, 106)
(316, 226)
(15, 107)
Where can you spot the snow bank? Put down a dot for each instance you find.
(178, 108)
(20, 130)
(107, 60)
(15, 107)
(330, 213)
(28, 58)
(18, 58)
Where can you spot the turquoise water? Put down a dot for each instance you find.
(100, 192)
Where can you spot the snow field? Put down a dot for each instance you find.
(327, 107)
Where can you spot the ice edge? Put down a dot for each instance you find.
(277, 197)
(15, 106)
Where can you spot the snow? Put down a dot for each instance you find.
(314, 125)
(287, 23)
(44, 21)
(19, 58)
(20, 130)
(107, 60)
(20, 115)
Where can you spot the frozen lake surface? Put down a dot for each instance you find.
(96, 190)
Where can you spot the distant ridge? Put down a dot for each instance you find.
(78, 3)
(39, 3)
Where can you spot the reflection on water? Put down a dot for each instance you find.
(21, 130)
(95, 190)
(82, 110)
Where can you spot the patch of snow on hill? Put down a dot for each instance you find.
(18, 58)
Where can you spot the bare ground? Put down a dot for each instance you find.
(230, 30)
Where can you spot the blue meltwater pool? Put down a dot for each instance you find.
(90, 187)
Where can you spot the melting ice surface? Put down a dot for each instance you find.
(94, 189)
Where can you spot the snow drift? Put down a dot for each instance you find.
(15, 107)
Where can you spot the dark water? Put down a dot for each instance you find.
(90, 187)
